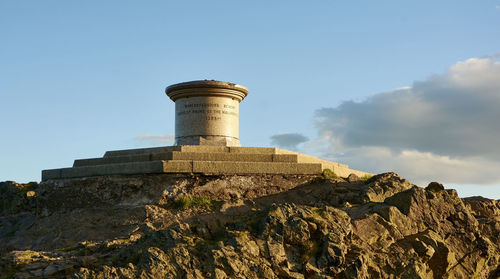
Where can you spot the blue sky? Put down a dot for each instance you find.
(80, 78)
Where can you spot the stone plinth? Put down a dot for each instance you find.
(200, 159)
(207, 142)
(207, 112)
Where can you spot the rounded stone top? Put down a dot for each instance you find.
(206, 88)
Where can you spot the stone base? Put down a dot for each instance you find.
(208, 140)
(200, 159)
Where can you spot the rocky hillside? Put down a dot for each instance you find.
(261, 226)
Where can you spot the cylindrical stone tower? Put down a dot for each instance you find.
(207, 112)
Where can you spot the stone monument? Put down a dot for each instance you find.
(206, 142)
(207, 112)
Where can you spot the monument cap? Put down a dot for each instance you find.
(206, 88)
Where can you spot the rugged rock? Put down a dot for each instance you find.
(261, 226)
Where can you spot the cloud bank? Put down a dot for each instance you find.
(445, 128)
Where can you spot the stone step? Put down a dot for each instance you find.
(254, 167)
(200, 159)
(139, 151)
(194, 156)
(145, 152)
(198, 149)
(184, 166)
(110, 169)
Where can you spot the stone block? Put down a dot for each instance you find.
(51, 174)
(203, 148)
(177, 166)
(110, 169)
(253, 150)
(283, 151)
(208, 140)
(201, 159)
(303, 158)
(290, 158)
(152, 150)
(254, 168)
(222, 157)
(196, 156)
(114, 160)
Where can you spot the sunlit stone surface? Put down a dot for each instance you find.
(207, 112)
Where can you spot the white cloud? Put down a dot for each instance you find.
(151, 139)
(420, 167)
(445, 128)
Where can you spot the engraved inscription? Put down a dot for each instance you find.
(208, 108)
(201, 105)
(213, 118)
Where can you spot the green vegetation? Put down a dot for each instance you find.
(71, 248)
(188, 202)
(328, 174)
(365, 177)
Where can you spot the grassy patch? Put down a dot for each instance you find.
(23, 258)
(118, 241)
(328, 174)
(366, 177)
(69, 249)
(188, 202)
